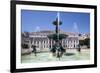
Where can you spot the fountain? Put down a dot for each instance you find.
(57, 48)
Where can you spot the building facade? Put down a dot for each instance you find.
(43, 43)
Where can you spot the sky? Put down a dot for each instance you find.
(33, 21)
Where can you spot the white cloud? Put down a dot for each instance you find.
(75, 27)
(37, 28)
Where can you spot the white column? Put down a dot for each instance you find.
(32, 41)
(68, 43)
(51, 43)
(39, 44)
(43, 44)
(48, 43)
(36, 42)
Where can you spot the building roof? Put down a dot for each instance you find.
(47, 32)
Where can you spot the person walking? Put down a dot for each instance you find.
(34, 50)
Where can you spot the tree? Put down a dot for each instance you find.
(87, 42)
(81, 42)
(25, 46)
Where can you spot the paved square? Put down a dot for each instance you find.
(70, 55)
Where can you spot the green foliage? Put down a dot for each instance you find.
(81, 42)
(85, 42)
(25, 46)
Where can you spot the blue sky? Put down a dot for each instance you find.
(33, 21)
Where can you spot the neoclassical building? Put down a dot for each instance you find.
(43, 43)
